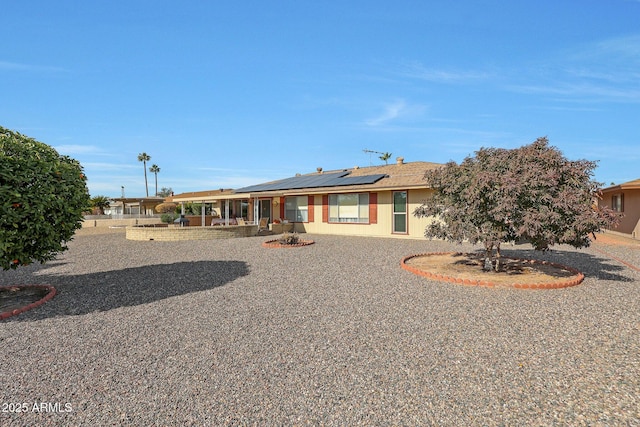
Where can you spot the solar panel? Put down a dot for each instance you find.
(359, 180)
(335, 179)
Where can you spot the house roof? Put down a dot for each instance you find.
(398, 175)
(144, 200)
(316, 180)
(199, 195)
(631, 185)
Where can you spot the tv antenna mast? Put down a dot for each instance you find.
(383, 156)
(370, 153)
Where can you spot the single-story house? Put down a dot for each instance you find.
(624, 198)
(141, 206)
(371, 201)
(211, 204)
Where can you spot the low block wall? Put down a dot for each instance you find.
(91, 223)
(281, 228)
(190, 233)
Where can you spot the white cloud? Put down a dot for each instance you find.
(583, 90)
(98, 166)
(603, 71)
(625, 47)
(394, 111)
(16, 66)
(391, 112)
(418, 71)
(77, 149)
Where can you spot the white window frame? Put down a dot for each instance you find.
(403, 213)
(296, 208)
(354, 208)
(617, 202)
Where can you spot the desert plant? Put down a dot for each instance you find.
(42, 198)
(289, 239)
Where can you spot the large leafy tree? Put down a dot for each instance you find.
(165, 192)
(144, 158)
(531, 193)
(42, 199)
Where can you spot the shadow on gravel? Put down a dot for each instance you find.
(86, 293)
(588, 264)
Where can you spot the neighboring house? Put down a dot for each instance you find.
(140, 206)
(372, 201)
(624, 198)
(211, 205)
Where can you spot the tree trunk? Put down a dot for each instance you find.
(488, 265)
(146, 187)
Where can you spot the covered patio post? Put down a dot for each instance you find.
(256, 210)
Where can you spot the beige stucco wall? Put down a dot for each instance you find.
(384, 226)
(630, 223)
(190, 233)
(106, 223)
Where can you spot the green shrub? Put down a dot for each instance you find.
(42, 198)
(168, 217)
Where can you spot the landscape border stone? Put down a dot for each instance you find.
(276, 244)
(47, 297)
(572, 281)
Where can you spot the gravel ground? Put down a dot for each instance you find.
(231, 333)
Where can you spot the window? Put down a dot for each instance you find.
(352, 208)
(296, 209)
(399, 211)
(617, 202)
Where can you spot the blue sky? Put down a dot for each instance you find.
(228, 94)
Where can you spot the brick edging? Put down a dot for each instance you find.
(572, 281)
(277, 244)
(47, 297)
(605, 253)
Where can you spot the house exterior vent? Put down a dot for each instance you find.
(399, 160)
(319, 170)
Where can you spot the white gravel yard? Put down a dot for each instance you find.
(228, 332)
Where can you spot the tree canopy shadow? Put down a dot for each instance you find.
(103, 291)
(590, 265)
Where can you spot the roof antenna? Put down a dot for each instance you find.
(383, 156)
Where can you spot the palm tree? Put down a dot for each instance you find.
(155, 169)
(100, 203)
(385, 157)
(144, 158)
